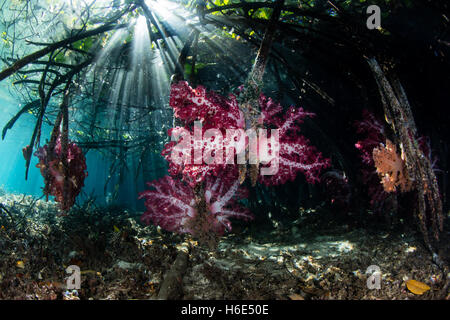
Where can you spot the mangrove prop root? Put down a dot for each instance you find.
(172, 285)
(399, 116)
(249, 100)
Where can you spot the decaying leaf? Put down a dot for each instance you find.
(296, 296)
(417, 287)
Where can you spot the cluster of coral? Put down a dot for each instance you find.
(63, 175)
(384, 169)
(374, 136)
(200, 198)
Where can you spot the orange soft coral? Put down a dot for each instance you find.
(391, 168)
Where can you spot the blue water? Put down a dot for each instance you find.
(12, 167)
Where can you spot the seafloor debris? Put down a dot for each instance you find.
(120, 258)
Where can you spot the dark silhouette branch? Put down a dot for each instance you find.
(29, 106)
(19, 64)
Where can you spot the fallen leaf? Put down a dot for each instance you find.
(417, 287)
(295, 296)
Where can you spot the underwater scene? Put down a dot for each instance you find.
(224, 150)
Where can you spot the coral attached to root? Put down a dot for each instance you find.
(374, 136)
(384, 170)
(391, 168)
(206, 197)
(213, 112)
(172, 205)
(64, 182)
(294, 152)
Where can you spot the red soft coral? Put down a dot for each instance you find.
(52, 169)
(172, 206)
(213, 110)
(374, 136)
(221, 195)
(184, 160)
(295, 152)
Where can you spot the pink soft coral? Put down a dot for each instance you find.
(184, 160)
(295, 152)
(175, 206)
(172, 205)
(52, 169)
(213, 110)
(374, 135)
(373, 132)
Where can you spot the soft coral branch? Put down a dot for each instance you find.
(172, 205)
(206, 199)
(184, 161)
(211, 108)
(52, 169)
(296, 154)
(373, 134)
